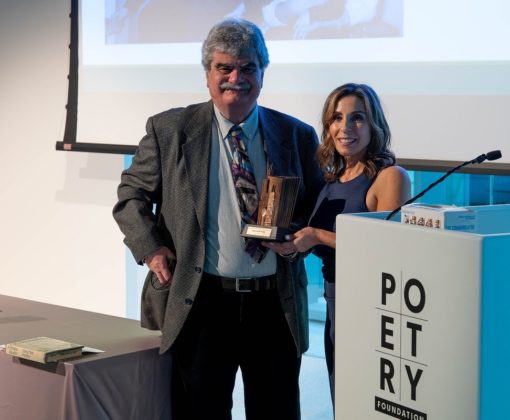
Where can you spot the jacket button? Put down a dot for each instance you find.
(188, 301)
(198, 269)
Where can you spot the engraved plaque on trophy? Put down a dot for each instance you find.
(276, 206)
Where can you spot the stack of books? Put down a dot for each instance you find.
(439, 217)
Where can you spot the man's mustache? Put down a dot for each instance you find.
(235, 86)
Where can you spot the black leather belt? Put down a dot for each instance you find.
(247, 284)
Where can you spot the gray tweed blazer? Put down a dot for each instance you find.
(170, 170)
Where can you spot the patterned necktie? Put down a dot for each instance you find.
(246, 190)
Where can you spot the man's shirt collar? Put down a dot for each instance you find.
(249, 125)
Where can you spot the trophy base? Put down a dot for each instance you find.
(265, 233)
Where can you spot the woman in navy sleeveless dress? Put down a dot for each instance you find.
(361, 176)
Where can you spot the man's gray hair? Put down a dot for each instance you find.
(235, 37)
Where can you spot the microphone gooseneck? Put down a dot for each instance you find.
(493, 155)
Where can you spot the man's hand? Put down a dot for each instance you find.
(157, 263)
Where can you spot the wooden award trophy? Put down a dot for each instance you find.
(276, 206)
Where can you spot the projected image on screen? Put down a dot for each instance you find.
(166, 21)
(444, 86)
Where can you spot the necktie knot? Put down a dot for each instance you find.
(235, 130)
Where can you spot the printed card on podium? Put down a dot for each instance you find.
(276, 207)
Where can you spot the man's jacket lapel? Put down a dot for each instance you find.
(196, 151)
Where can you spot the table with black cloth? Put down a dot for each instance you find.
(128, 381)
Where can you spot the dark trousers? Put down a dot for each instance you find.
(227, 330)
(329, 336)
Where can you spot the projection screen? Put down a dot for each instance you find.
(441, 68)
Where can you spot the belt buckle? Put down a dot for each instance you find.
(239, 288)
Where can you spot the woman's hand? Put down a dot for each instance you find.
(309, 237)
(302, 241)
(305, 239)
(283, 248)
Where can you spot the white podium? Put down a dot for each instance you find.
(422, 319)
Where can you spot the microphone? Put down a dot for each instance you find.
(494, 155)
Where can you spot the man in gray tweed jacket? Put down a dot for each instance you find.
(217, 308)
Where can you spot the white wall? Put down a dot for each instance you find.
(59, 242)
